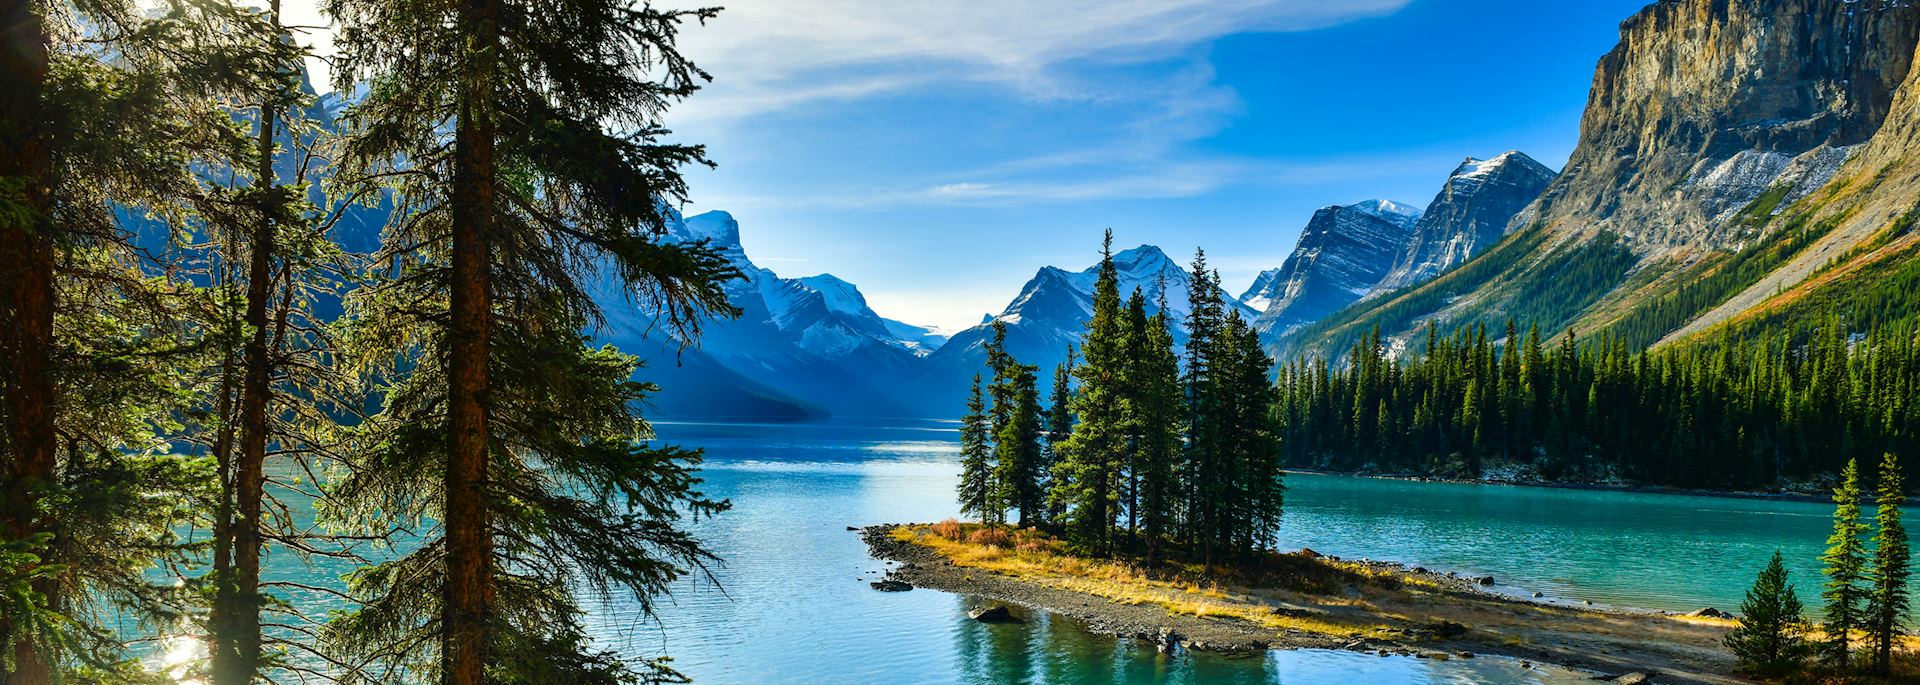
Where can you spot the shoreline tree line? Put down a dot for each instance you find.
(1721, 414)
(176, 370)
(1139, 451)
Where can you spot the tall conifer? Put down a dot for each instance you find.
(1845, 567)
(976, 458)
(1887, 593)
(1091, 455)
(521, 144)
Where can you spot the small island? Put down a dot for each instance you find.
(1300, 599)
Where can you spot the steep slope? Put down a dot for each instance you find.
(1050, 313)
(1259, 296)
(1708, 119)
(845, 301)
(1470, 214)
(1861, 258)
(1342, 254)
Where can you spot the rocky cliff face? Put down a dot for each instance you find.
(1706, 104)
(1703, 126)
(1470, 213)
(1342, 254)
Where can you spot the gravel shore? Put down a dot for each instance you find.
(1459, 618)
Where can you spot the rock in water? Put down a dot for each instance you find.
(1167, 641)
(891, 585)
(997, 613)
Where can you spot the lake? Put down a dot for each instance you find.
(795, 606)
(792, 603)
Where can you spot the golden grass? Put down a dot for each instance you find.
(1114, 581)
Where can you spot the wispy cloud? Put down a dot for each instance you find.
(1148, 179)
(779, 53)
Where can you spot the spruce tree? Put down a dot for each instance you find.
(521, 145)
(1097, 445)
(1887, 578)
(104, 111)
(1059, 428)
(1160, 425)
(976, 458)
(1770, 639)
(1200, 403)
(1016, 449)
(274, 386)
(1845, 561)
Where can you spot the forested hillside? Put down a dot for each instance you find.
(1767, 178)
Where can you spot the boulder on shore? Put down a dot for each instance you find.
(1309, 553)
(997, 613)
(1710, 612)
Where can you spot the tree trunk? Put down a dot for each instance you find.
(238, 600)
(26, 303)
(468, 609)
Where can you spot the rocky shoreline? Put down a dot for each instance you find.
(1638, 657)
(1812, 495)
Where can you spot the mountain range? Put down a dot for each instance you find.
(1743, 167)
(804, 347)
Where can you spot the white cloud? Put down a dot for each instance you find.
(775, 53)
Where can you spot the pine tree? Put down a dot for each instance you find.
(1845, 561)
(521, 147)
(1770, 639)
(1258, 460)
(976, 455)
(1887, 579)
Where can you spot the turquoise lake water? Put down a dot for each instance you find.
(796, 607)
(793, 605)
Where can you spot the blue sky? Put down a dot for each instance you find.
(936, 153)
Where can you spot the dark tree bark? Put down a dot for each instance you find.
(468, 611)
(27, 296)
(236, 649)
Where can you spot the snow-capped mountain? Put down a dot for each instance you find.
(1470, 214)
(814, 341)
(1343, 253)
(1050, 313)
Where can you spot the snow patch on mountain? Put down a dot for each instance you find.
(1726, 187)
(1342, 254)
(1473, 210)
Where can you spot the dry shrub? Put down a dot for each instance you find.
(991, 537)
(949, 529)
(1032, 541)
